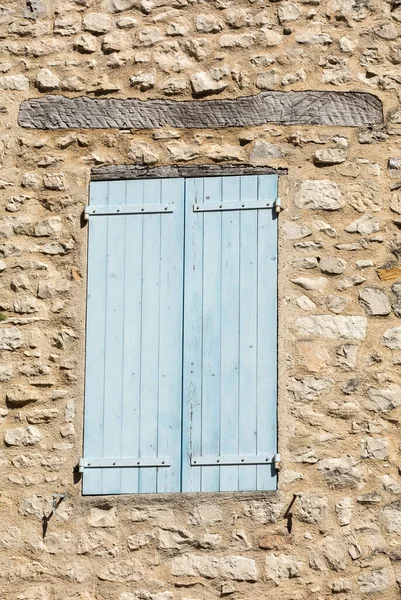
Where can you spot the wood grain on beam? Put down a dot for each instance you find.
(348, 109)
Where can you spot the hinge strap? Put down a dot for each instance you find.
(259, 459)
(122, 463)
(127, 209)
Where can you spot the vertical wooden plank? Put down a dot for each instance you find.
(114, 334)
(248, 334)
(170, 336)
(150, 354)
(211, 326)
(132, 337)
(229, 356)
(95, 340)
(267, 334)
(192, 358)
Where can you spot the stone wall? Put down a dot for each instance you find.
(334, 526)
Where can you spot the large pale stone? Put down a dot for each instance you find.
(365, 225)
(281, 567)
(392, 517)
(374, 448)
(307, 283)
(295, 231)
(96, 23)
(324, 195)
(264, 151)
(46, 81)
(332, 327)
(103, 517)
(10, 338)
(334, 554)
(312, 508)
(374, 582)
(22, 436)
(344, 511)
(386, 399)
(330, 156)
(206, 83)
(309, 388)
(230, 567)
(314, 355)
(336, 304)
(392, 338)
(332, 265)
(375, 302)
(343, 472)
(14, 82)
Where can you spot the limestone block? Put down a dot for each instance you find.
(48, 227)
(86, 44)
(281, 567)
(336, 304)
(374, 581)
(25, 304)
(46, 81)
(288, 12)
(143, 81)
(330, 156)
(391, 338)
(310, 284)
(264, 151)
(314, 355)
(365, 225)
(14, 82)
(230, 567)
(349, 282)
(327, 326)
(140, 540)
(174, 540)
(22, 436)
(18, 396)
(334, 554)
(120, 571)
(344, 511)
(267, 511)
(103, 517)
(205, 514)
(308, 388)
(316, 195)
(208, 24)
(96, 23)
(305, 303)
(375, 302)
(10, 338)
(312, 508)
(295, 231)
(205, 83)
(343, 472)
(332, 266)
(375, 448)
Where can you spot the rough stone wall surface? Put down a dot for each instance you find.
(333, 529)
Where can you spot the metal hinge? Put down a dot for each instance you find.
(218, 206)
(277, 462)
(259, 459)
(277, 205)
(126, 209)
(122, 463)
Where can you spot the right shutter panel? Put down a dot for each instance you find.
(230, 335)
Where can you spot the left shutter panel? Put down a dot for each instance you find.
(134, 338)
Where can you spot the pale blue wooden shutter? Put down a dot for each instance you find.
(134, 337)
(230, 334)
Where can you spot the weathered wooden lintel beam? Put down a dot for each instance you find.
(343, 109)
